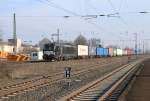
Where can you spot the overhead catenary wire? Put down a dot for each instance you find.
(120, 6)
(52, 4)
(126, 3)
(115, 10)
(108, 15)
(127, 24)
(116, 14)
(86, 19)
(58, 7)
(113, 7)
(122, 19)
(65, 16)
(91, 6)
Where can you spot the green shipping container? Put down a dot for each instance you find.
(114, 52)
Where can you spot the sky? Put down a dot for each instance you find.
(37, 19)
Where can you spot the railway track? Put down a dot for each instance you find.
(58, 67)
(13, 90)
(49, 76)
(138, 89)
(75, 61)
(106, 88)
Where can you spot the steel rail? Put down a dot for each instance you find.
(117, 84)
(92, 85)
(23, 87)
(51, 76)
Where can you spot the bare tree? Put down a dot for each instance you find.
(43, 42)
(80, 40)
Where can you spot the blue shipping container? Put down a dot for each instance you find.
(100, 51)
(106, 52)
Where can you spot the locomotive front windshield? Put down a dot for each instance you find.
(48, 47)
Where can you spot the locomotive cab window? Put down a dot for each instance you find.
(34, 54)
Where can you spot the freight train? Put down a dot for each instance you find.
(54, 51)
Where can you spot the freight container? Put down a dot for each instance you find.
(92, 51)
(124, 52)
(119, 52)
(129, 51)
(110, 51)
(99, 51)
(35, 56)
(114, 52)
(83, 50)
(105, 52)
(68, 52)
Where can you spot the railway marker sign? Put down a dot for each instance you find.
(67, 75)
(67, 72)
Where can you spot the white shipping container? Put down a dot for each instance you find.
(124, 52)
(119, 52)
(82, 50)
(35, 56)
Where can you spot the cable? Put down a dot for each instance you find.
(121, 19)
(73, 13)
(121, 1)
(95, 9)
(108, 15)
(59, 7)
(127, 3)
(66, 16)
(113, 7)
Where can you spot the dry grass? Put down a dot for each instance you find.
(5, 70)
(14, 71)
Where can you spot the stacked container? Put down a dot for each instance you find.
(83, 50)
(129, 51)
(114, 52)
(119, 52)
(100, 52)
(105, 52)
(110, 51)
(124, 52)
(92, 51)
